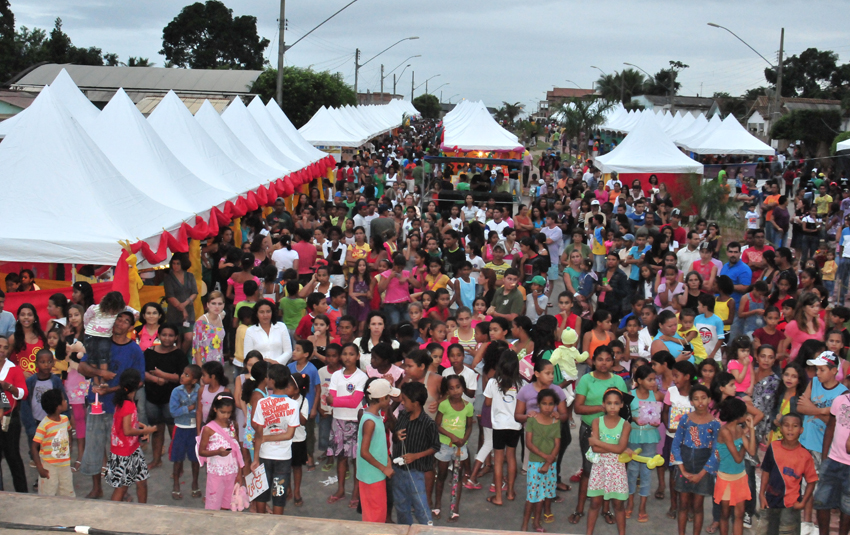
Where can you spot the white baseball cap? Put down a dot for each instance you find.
(382, 388)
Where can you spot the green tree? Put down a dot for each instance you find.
(752, 94)
(528, 130)
(665, 81)
(138, 62)
(812, 74)
(8, 52)
(843, 136)
(812, 127)
(207, 36)
(628, 82)
(304, 91)
(428, 106)
(60, 49)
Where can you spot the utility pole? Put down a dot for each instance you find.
(393, 84)
(281, 48)
(382, 83)
(426, 86)
(412, 77)
(622, 89)
(777, 102)
(356, 71)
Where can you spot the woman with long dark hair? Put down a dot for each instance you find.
(28, 339)
(181, 289)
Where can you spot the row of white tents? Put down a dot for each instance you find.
(352, 126)
(469, 126)
(79, 179)
(694, 133)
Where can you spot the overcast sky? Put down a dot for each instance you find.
(490, 50)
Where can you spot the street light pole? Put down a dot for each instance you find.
(282, 48)
(412, 76)
(382, 83)
(357, 64)
(356, 72)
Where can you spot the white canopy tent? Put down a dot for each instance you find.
(844, 145)
(731, 138)
(699, 124)
(695, 139)
(352, 126)
(195, 149)
(647, 149)
(240, 121)
(473, 128)
(289, 129)
(51, 166)
(140, 155)
(258, 111)
(325, 128)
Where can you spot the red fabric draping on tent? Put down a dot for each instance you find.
(676, 184)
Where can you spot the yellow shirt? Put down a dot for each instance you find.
(828, 270)
(823, 203)
(54, 441)
(721, 308)
(699, 350)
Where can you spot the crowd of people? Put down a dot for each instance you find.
(373, 332)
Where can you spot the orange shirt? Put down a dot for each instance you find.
(770, 199)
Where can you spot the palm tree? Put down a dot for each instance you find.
(625, 83)
(511, 111)
(580, 116)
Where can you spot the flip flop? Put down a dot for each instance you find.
(76, 466)
(540, 530)
(353, 504)
(628, 513)
(712, 528)
(490, 499)
(548, 519)
(327, 467)
(575, 517)
(334, 498)
(454, 517)
(298, 502)
(435, 513)
(609, 517)
(175, 495)
(196, 493)
(672, 513)
(659, 494)
(469, 485)
(644, 517)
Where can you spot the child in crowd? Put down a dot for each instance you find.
(345, 395)
(332, 361)
(32, 413)
(182, 405)
(692, 452)
(751, 308)
(374, 466)
(646, 418)
(126, 464)
(219, 449)
(297, 391)
(98, 321)
(740, 363)
(608, 481)
(454, 423)
(635, 344)
(213, 381)
(786, 464)
(707, 371)
(710, 327)
(51, 447)
(500, 395)
(688, 331)
(317, 304)
(301, 365)
(731, 489)
(457, 367)
(291, 306)
(416, 442)
(677, 403)
(275, 420)
(246, 319)
(543, 438)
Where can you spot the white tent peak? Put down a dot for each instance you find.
(270, 128)
(212, 123)
(288, 128)
(175, 125)
(137, 151)
(51, 154)
(239, 119)
(77, 103)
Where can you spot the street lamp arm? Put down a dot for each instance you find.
(389, 47)
(320, 24)
(402, 63)
(598, 69)
(713, 25)
(426, 81)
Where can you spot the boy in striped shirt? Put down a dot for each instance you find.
(51, 447)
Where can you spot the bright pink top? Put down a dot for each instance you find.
(397, 292)
(306, 256)
(797, 337)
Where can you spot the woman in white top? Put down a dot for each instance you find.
(376, 323)
(469, 211)
(268, 335)
(285, 258)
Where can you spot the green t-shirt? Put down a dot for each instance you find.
(462, 186)
(366, 472)
(542, 436)
(584, 250)
(593, 389)
(241, 304)
(292, 310)
(454, 421)
(513, 303)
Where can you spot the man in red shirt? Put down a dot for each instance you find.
(306, 255)
(753, 256)
(13, 389)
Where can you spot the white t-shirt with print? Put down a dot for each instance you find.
(277, 414)
(347, 386)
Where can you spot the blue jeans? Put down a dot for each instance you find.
(396, 312)
(636, 468)
(409, 496)
(324, 433)
(842, 278)
(810, 246)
